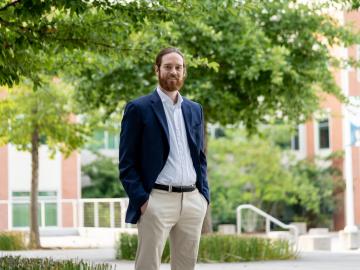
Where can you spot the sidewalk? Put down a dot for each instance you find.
(326, 260)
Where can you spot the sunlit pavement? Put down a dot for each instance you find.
(346, 260)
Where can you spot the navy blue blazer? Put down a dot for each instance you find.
(144, 148)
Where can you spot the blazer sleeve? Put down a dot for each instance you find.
(129, 156)
(203, 162)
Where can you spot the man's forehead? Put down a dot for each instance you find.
(172, 58)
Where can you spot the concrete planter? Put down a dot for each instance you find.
(227, 229)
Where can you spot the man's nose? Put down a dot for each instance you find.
(173, 70)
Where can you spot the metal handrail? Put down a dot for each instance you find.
(268, 219)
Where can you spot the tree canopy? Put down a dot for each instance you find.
(48, 110)
(248, 61)
(34, 33)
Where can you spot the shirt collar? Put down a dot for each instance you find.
(167, 100)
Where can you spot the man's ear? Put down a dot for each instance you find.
(156, 69)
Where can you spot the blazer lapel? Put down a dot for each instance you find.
(160, 113)
(186, 111)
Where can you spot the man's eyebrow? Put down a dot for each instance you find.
(176, 65)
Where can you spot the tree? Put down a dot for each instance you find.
(28, 117)
(258, 171)
(246, 61)
(41, 38)
(249, 61)
(319, 190)
(244, 170)
(34, 33)
(104, 175)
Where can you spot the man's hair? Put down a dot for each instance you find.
(167, 51)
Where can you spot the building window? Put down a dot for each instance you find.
(295, 144)
(103, 139)
(324, 134)
(50, 214)
(21, 209)
(21, 215)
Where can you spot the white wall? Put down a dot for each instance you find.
(20, 170)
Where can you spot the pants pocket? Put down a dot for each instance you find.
(148, 205)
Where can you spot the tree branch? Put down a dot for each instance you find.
(10, 24)
(13, 3)
(83, 41)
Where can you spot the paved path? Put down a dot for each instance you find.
(349, 260)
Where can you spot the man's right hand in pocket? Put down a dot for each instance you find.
(143, 207)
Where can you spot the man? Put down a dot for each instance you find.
(163, 168)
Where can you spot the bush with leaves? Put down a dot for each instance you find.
(19, 263)
(258, 171)
(104, 176)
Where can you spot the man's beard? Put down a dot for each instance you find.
(170, 83)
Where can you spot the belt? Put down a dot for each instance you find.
(175, 188)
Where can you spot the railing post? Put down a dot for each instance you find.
(267, 225)
(96, 214)
(238, 213)
(268, 219)
(112, 216)
(122, 212)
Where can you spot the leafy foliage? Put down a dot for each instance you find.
(219, 248)
(319, 191)
(12, 241)
(28, 118)
(34, 32)
(19, 263)
(248, 61)
(257, 171)
(47, 109)
(104, 177)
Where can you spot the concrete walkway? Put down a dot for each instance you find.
(326, 260)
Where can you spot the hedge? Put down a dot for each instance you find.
(12, 241)
(220, 248)
(19, 263)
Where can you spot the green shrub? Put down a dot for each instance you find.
(127, 245)
(12, 241)
(220, 248)
(233, 248)
(18, 263)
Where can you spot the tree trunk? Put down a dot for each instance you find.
(34, 226)
(207, 225)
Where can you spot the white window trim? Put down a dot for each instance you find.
(301, 152)
(42, 224)
(293, 141)
(318, 151)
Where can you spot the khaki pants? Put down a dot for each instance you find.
(179, 214)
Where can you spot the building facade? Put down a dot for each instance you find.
(336, 128)
(59, 189)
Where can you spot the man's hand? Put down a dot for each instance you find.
(143, 207)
